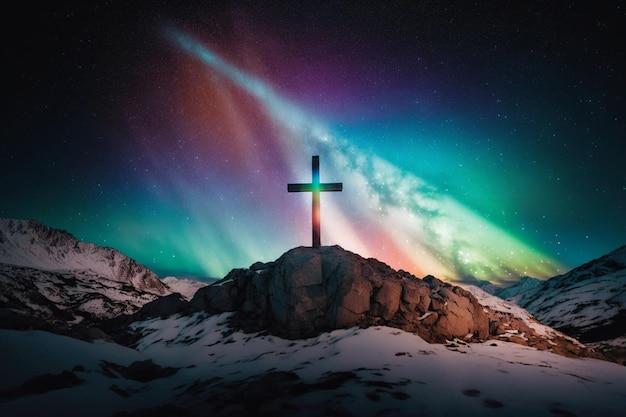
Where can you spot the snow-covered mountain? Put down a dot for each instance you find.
(367, 355)
(48, 275)
(184, 286)
(517, 291)
(589, 302)
(31, 244)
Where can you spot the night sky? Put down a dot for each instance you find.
(476, 141)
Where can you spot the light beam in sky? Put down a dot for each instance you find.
(385, 212)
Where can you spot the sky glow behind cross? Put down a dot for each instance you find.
(415, 226)
(476, 141)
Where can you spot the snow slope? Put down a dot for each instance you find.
(589, 302)
(351, 372)
(507, 307)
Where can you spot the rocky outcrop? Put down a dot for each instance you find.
(311, 290)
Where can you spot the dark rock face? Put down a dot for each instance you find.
(142, 371)
(42, 384)
(311, 290)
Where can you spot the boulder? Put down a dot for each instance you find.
(308, 291)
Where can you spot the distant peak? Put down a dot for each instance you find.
(32, 244)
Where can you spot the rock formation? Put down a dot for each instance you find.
(311, 290)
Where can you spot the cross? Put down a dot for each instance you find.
(315, 187)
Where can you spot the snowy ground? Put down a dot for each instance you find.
(376, 371)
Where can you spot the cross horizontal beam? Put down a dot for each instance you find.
(332, 186)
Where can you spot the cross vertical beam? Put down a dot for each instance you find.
(315, 202)
(315, 187)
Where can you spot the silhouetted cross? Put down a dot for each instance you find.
(315, 187)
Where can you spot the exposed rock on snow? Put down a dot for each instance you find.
(41, 384)
(142, 371)
(512, 323)
(377, 371)
(308, 291)
(311, 290)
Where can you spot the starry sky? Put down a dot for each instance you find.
(474, 140)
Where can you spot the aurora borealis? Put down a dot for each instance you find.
(476, 141)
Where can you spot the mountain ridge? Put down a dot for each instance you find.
(32, 244)
(222, 353)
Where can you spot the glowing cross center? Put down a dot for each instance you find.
(315, 188)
